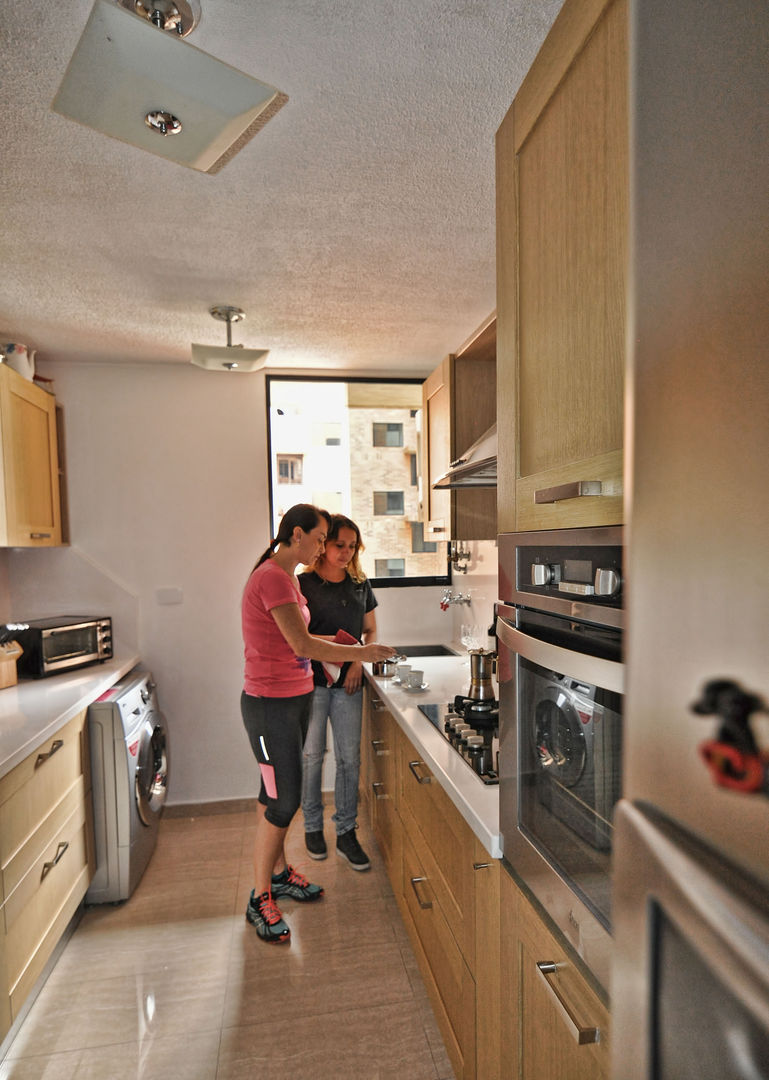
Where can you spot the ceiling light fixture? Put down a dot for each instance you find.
(132, 77)
(230, 357)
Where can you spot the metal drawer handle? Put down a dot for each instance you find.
(576, 490)
(378, 705)
(376, 743)
(42, 758)
(62, 847)
(413, 765)
(377, 794)
(582, 1035)
(40, 536)
(424, 904)
(481, 865)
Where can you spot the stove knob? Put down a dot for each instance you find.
(541, 574)
(607, 582)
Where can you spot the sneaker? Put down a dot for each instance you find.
(263, 913)
(294, 885)
(315, 844)
(348, 847)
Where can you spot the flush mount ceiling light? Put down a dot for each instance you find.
(230, 357)
(132, 77)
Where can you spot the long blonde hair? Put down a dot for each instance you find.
(337, 522)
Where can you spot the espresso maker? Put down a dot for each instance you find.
(481, 671)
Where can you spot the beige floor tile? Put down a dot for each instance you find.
(373, 1043)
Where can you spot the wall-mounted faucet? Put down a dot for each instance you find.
(450, 597)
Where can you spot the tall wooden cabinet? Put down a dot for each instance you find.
(458, 406)
(30, 504)
(562, 225)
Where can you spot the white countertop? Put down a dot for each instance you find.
(35, 709)
(446, 676)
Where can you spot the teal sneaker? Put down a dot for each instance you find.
(294, 885)
(263, 913)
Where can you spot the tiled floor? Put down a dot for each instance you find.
(174, 985)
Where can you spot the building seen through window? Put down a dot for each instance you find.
(352, 447)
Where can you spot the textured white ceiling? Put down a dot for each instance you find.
(356, 229)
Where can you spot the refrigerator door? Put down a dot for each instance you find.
(690, 991)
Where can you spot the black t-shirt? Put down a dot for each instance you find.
(335, 605)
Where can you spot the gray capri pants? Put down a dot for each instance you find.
(277, 727)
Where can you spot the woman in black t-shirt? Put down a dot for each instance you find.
(339, 598)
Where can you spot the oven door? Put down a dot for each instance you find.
(560, 729)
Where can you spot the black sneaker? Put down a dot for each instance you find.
(263, 913)
(348, 847)
(295, 885)
(315, 844)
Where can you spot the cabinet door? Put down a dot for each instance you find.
(30, 474)
(562, 188)
(563, 1026)
(486, 881)
(436, 451)
(383, 781)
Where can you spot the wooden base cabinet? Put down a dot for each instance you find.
(562, 228)
(554, 1026)
(30, 501)
(46, 857)
(382, 774)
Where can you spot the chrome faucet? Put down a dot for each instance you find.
(450, 597)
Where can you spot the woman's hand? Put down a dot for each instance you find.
(353, 678)
(376, 651)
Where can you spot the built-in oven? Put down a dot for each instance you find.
(560, 673)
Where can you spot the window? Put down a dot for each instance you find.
(390, 567)
(388, 434)
(289, 468)
(388, 502)
(322, 434)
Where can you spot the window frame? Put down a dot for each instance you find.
(375, 582)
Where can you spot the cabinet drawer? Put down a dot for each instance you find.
(38, 784)
(383, 789)
(451, 978)
(443, 842)
(45, 899)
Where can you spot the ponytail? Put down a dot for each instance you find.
(305, 515)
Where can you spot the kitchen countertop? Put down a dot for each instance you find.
(446, 677)
(35, 709)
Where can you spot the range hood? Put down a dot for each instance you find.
(477, 467)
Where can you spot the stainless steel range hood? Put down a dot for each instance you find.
(476, 468)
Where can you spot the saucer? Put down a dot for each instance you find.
(417, 689)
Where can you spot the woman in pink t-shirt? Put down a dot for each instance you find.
(275, 703)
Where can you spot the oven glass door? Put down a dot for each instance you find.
(70, 645)
(568, 708)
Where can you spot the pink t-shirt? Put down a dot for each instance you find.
(272, 667)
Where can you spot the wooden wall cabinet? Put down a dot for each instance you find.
(562, 227)
(553, 1024)
(458, 406)
(30, 504)
(46, 857)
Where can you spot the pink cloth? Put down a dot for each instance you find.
(333, 671)
(272, 668)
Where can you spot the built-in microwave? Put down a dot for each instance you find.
(62, 643)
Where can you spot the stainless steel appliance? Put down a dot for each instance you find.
(62, 643)
(470, 725)
(129, 768)
(559, 627)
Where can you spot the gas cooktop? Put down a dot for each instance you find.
(470, 727)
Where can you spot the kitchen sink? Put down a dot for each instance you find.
(425, 650)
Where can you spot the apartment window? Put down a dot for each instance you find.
(388, 502)
(289, 467)
(386, 568)
(326, 426)
(388, 434)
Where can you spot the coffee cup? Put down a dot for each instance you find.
(415, 678)
(402, 671)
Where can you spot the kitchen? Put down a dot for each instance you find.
(178, 449)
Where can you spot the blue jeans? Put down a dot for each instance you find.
(344, 711)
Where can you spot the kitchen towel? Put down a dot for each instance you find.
(333, 671)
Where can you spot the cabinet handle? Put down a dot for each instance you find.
(62, 847)
(42, 758)
(576, 490)
(424, 904)
(377, 795)
(419, 779)
(376, 743)
(378, 705)
(481, 865)
(582, 1035)
(40, 536)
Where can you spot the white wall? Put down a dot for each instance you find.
(167, 472)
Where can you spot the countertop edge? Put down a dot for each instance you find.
(35, 709)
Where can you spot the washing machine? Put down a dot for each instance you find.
(129, 772)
